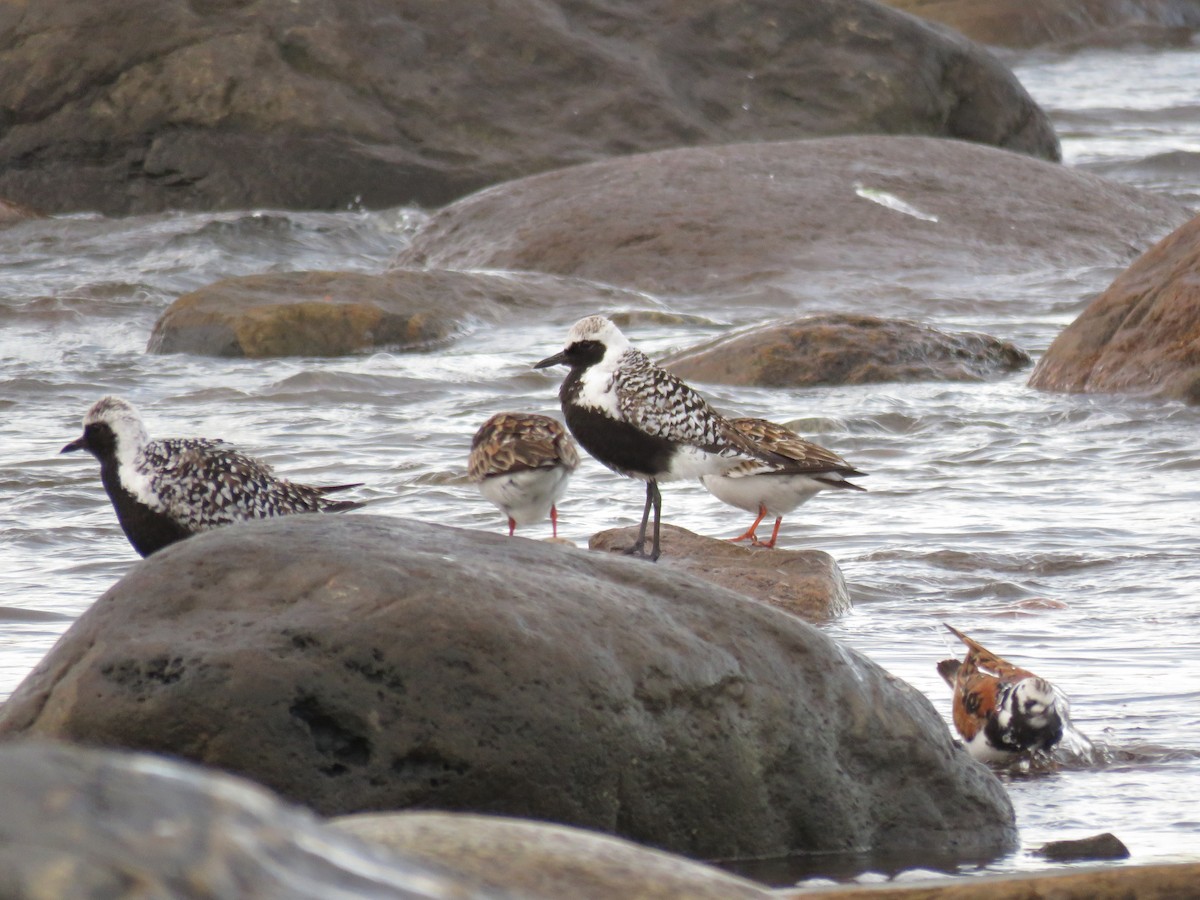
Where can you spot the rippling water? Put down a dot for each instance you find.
(1058, 530)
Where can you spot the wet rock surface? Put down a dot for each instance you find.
(325, 105)
(806, 583)
(1100, 846)
(846, 349)
(336, 313)
(769, 222)
(361, 663)
(1142, 335)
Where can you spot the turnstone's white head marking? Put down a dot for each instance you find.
(166, 490)
(775, 489)
(639, 419)
(1002, 710)
(522, 463)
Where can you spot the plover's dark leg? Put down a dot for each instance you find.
(750, 535)
(553, 521)
(656, 551)
(512, 526)
(639, 546)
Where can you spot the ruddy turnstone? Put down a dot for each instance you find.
(776, 489)
(167, 490)
(999, 709)
(640, 420)
(522, 463)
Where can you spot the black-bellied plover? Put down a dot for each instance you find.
(522, 463)
(770, 489)
(640, 420)
(999, 709)
(167, 490)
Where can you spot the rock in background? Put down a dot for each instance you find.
(1142, 335)
(171, 104)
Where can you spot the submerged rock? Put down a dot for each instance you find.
(795, 222)
(174, 104)
(1100, 846)
(1142, 335)
(362, 663)
(335, 313)
(86, 823)
(806, 583)
(846, 349)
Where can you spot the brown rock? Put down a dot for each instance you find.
(334, 313)
(805, 583)
(1163, 882)
(362, 663)
(540, 861)
(1100, 846)
(182, 104)
(11, 213)
(765, 222)
(845, 349)
(1032, 23)
(1142, 335)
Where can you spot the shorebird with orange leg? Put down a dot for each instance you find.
(1002, 710)
(522, 463)
(776, 488)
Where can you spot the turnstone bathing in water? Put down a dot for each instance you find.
(522, 463)
(1001, 710)
(167, 490)
(640, 420)
(770, 489)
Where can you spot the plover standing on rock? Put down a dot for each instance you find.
(641, 420)
(522, 463)
(167, 490)
(770, 489)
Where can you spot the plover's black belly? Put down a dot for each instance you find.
(148, 530)
(619, 445)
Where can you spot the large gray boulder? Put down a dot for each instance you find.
(185, 104)
(360, 663)
(796, 220)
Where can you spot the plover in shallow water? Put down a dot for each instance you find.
(522, 463)
(1002, 710)
(167, 490)
(771, 489)
(640, 420)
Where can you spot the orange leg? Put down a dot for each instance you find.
(553, 521)
(774, 534)
(750, 535)
(512, 526)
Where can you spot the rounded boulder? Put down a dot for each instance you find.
(363, 663)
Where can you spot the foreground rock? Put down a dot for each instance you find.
(84, 823)
(1164, 882)
(537, 861)
(805, 583)
(1034, 23)
(845, 349)
(323, 105)
(359, 663)
(335, 313)
(1142, 335)
(799, 221)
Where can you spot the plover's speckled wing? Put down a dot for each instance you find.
(513, 442)
(204, 483)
